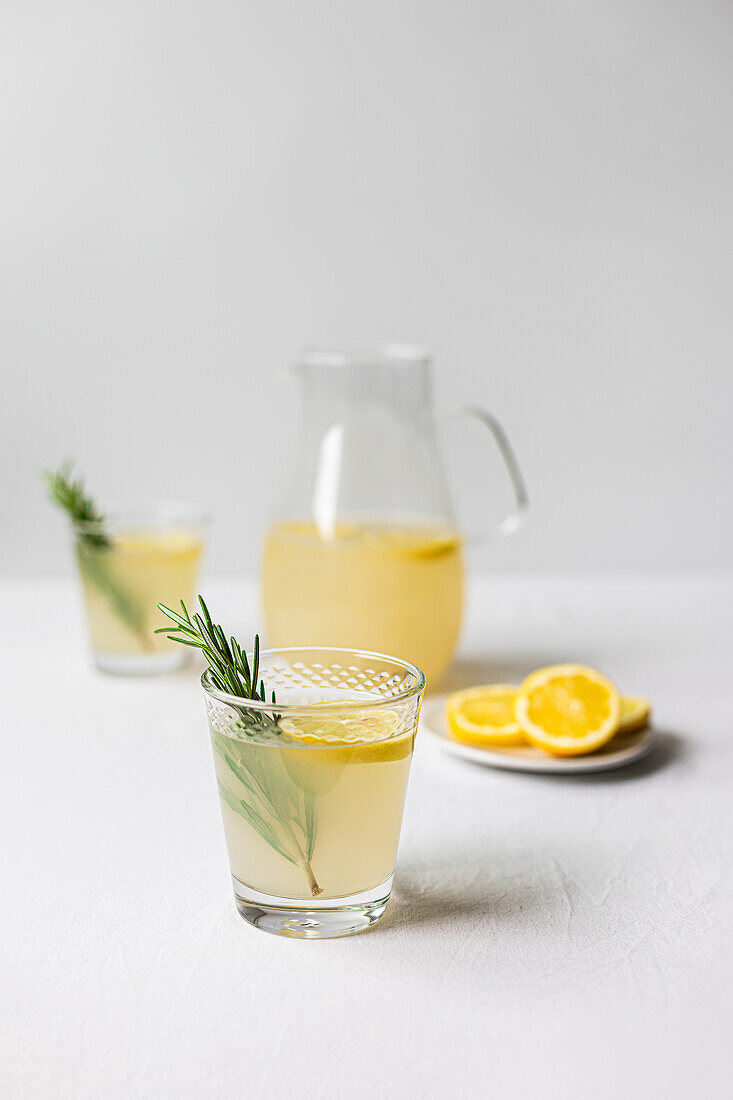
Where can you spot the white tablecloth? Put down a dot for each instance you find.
(548, 937)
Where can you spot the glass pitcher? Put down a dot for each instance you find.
(364, 552)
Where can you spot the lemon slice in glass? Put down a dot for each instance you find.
(357, 738)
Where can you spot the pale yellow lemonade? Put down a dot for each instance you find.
(124, 582)
(315, 813)
(396, 589)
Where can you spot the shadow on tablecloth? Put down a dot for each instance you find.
(667, 749)
(416, 901)
(452, 892)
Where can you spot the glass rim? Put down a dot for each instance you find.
(304, 709)
(393, 355)
(141, 512)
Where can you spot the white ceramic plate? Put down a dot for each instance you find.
(623, 749)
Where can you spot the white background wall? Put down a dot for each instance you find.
(541, 191)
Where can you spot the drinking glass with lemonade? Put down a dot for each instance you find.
(130, 558)
(312, 788)
(365, 549)
(312, 750)
(151, 555)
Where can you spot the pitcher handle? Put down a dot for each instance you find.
(514, 518)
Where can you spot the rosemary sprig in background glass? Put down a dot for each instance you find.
(93, 544)
(277, 808)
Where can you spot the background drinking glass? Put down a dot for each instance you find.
(145, 555)
(312, 787)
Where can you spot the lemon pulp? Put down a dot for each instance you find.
(484, 716)
(568, 709)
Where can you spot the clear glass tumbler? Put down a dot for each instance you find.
(138, 556)
(312, 787)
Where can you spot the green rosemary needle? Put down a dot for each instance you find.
(69, 495)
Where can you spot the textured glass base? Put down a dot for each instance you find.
(312, 920)
(141, 664)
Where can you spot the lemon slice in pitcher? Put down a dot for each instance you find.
(568, 709)
(411, 542)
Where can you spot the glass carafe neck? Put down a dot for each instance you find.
(398, 377)
(367, 447)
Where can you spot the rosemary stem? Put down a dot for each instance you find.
(313, 886)
(145, 641)
(292, 836)
(315, 889)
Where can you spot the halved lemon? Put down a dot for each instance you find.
(635, 712)
(484, 716)
(568, 710)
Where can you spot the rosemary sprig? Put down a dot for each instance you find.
(93, 542)
(278, 809)
(229, 665)
(70, 497)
